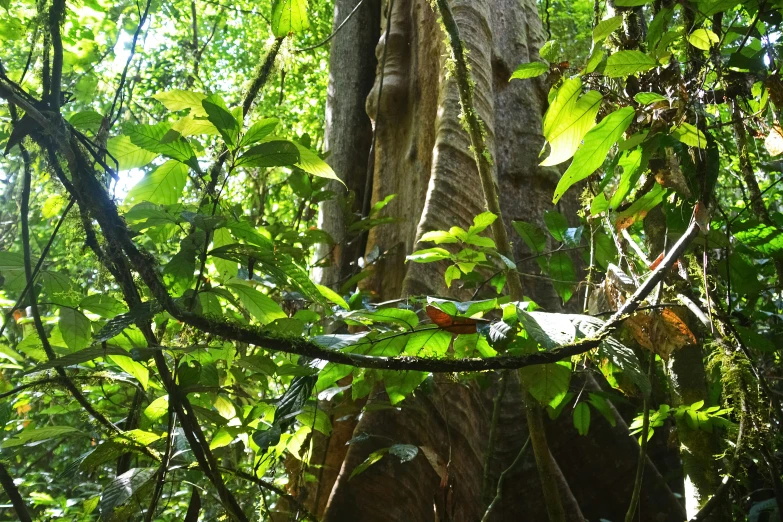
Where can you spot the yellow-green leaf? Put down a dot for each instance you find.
(128, 155)
(289, 16)
(703, 39)
(626, 63)
(593, 151)
(163, 186)
(568, 119)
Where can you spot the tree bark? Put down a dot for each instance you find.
(423, 156)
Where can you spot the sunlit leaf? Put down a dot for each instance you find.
(626, 63)
(289, 16)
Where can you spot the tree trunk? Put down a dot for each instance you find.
(423, 156)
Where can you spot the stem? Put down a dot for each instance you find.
(493, 434)
(502, 479)
(637, 486)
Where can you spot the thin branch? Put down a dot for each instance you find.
(334, 33)
(124, 75)
(640, 464)
(56, 17)
(274, 489)
(12, 491)
(501, 480)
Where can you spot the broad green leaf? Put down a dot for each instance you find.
(547, 383)
(428, 343)
(689, 135)
(128, 155)
(401, 316)
(603, 407)
(561, 269)
(529, 70)
(631, 3)
(225, 267)
(103, 305)
(429, 255)
(606, 27)
(639, 208)
(163, 186)
(582, 418)
(333, 296)
(311, 163)
(132, 367)
(556, 224)
(192, 126)
(374, 457)
(438, 237)
(659, 24)
(259, 305)
(532, 235)
(89, 119)
(157, 408)
(276, 153)
(568, 119)
(646, 98)
(453, 272)
(626, 63)
(39, 434)
(79, 357)
(289, 16)
(401, 384)
(122, 488)
(317, 419)
(258, 131)
(703, 39)
(633, 162)
(221, 439)
(154, 138)
(481, 222)
(75, 328)
(221, 118)
(711, 7)
(594, 149)
(178, 100)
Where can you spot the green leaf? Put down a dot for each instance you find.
(710, 7)
(615, 356)
(556, 224)
(453, 272)
(39, 434)
(633, 162)
(289, 16)
(163, 186)
(154, 138)
(429, 255)
(646, 98)
(401, 384)
(103, 305)
(333, 296)
(582, 418)
(311, 163)
(703, 39)
(258, 131)
(276, 153)
(532, 235)
(315, 418)
(603, 407)
(568, 119)
(128, 155)
(606, 27)
(221, 118)
(631, 3)
(89, 119)
(374, 457)
(75, 328)
(594, 149)
(639, 208)
(481, 222)
(529, 70)
(178, 100)
(133, 368)
(438, 237)
(225, 268)
(192, 126)
(157, 408)
(259, 305)
(122, 488)
(561, 268)
(547, 383)
(406, 318)
(626, 63)
(689, 135)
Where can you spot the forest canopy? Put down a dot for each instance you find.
(377, 260)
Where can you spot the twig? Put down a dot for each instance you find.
(493, 435)
(271, 487)
(637, 486)
(499, 493)
(110, 116)
(334, 33)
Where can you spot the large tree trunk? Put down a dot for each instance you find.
(423, 156)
